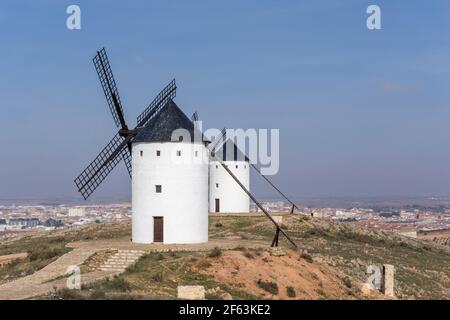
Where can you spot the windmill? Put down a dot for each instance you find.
(119, 147)
(161, 188)
(222, 143)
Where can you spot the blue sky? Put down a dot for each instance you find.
(360, 113)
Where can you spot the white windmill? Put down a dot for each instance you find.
(225, 195)
(170, 169)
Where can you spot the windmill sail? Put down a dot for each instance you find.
(168, 93)
(98, 170)
(120, 145)
(109, 86)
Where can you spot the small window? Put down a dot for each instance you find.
(217, 185)
(236, 166)
(180, 138)
(158, 153)
(179, 153)
(217, 167)
(142, 153)
(158, 188)
(196, 153)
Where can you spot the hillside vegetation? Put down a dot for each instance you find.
(331, 265)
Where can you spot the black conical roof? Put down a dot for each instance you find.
(230, 152)
(161, 127)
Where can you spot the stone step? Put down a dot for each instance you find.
(125, 258)
(121, 260)
(132, 251)
(112, 269)
(115, 264)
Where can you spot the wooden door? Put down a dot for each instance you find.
(217, 205)
(158, 229)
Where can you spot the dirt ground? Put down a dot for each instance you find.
(309, 280)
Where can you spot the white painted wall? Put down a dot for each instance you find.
(184, 199)
(232, 198)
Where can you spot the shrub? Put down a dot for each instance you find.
(218, 225)
(45, 253)
(119, 284)
(268, 286)
(290, 292)
(98, 295)
(307, 257)
(321, 292)
(157, 277)
(68, 294)
(173, 254)
(204, 264)
(215, 253)
(347, 282)
(248, 255)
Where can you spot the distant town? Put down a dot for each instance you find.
(19, 219)
(409, 220)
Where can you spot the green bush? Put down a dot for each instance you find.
(98, 295)
(119, 284)
(204, 264)
(68, 294)
(290, 292)
(307, 257)
(268, 286)
(157, 277)
(215, 253)
(45, 253)
(347, 282)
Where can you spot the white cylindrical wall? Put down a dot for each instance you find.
(222, 186)
(183, 201)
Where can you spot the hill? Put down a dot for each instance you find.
(332, 264)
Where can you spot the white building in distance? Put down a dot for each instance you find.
(76, 212)
(225, 194)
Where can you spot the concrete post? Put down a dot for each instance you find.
(388, 280)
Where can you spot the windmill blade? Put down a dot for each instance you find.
(169, 92)
(108, 83)
(219, 139)
(102, 165)
(294, 206)
(126, 155)
(259, 205)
